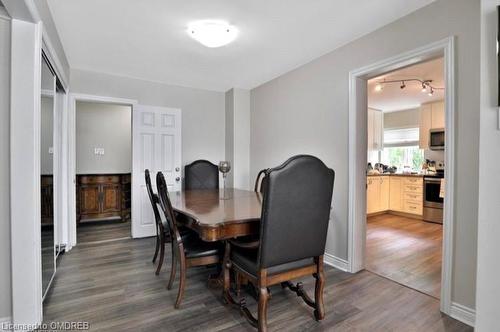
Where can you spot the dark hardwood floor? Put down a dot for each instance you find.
(112, 285)
(405, 250)
(97, 231)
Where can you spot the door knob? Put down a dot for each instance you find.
(177, 179)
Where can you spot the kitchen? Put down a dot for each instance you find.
(405, 176)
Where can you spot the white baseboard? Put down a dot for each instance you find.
(4, 323)
(462, 313)
(336, 262)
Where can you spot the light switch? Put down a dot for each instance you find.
(99, 151)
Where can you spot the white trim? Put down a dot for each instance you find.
(25, 172)
(464, 314)
(336, 262)
(357, 178)
(70, 126)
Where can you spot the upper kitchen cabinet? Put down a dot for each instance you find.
(375, 130)
(431, 117)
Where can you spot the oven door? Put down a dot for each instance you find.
(432, 187)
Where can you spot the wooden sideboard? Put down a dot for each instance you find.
(103, 197)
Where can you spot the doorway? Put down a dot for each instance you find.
(358, 159)
(103, 171)
(405, 175)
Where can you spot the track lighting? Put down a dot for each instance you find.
(426, 85)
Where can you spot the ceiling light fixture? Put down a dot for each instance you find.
(212, 33)
(426, 85)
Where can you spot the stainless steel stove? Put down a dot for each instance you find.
(433, 203)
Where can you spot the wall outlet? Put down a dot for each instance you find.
(51, 150)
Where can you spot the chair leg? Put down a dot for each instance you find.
(319, 312)
(157, 249)
(262, 315)
(162, 254)
(182, 280)
(173, 267)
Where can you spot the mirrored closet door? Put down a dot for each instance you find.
(47, 109)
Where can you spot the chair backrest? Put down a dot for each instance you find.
(166, 206)
(260, 181)
(153, 198)
(295, 211)
(201, 174)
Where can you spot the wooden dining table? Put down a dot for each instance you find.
(218, 214)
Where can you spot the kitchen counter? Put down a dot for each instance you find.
(401, 174)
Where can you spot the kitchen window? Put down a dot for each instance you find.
(401, 148)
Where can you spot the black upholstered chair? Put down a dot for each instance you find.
(295, 210)
(188, 250)
(260, 181)
(201, 174)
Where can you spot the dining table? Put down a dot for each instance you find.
(218, 214)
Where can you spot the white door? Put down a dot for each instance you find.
(156, 145)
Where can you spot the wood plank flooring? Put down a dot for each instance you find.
(405, 250)
(96, 231)
(112, 285)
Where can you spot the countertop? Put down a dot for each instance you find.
(401, 174)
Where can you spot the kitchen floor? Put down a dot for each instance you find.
(405, 250)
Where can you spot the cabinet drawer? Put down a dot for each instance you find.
(413, 196)
(412, 188)
(413, 180)
(99, 179)
(413, 207)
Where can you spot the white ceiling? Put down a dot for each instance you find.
(393, 98)
(147, 39)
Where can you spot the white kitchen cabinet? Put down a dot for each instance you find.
(384, 193)
(375, 130)
(431, 117)
(394, 193)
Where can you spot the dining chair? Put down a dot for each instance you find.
(295, 210)
(189, 250)
(201, 174)
(161, 232)
(260, 181)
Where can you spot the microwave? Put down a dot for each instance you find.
(436, 139)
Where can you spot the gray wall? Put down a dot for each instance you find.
(488, 269)
(5, 270)
(203, 133)
(306, 111)
(104, 126)
(229, 128)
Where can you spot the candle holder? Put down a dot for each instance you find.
(224, 168)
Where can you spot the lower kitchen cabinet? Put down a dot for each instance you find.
(395, 193)
(377, 192)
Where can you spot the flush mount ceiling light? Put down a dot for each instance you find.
(212, 33)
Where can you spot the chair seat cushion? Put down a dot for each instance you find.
(194, 247)
(246, 259)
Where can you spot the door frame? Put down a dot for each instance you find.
(358, 148)
(71, 157)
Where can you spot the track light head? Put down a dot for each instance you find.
(403, 85)
(379, 87)
(431, 92)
